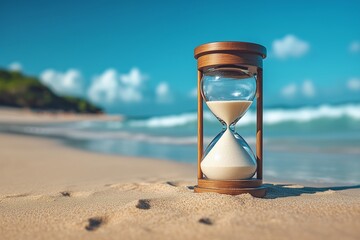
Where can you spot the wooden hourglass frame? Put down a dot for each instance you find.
(235, 54)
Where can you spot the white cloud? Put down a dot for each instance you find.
(104, 88)
(130, 89)
(353, 84)
(289, 90)
(63, 83)
(354, 47)
(111, 87)
(128, 94)
(135, 78)
(163, 93)
(290, 46)
(15, 66)
(308, 89)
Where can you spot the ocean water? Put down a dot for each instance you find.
(309, 144)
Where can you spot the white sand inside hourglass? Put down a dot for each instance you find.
(227, 160)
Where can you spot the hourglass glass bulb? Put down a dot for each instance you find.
(228, 93)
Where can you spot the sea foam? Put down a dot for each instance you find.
(270, 117)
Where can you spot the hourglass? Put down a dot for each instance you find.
(229, 77)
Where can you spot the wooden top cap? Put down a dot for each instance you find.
(215, 54)
(239, 47)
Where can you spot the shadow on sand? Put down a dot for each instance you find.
(289, 190)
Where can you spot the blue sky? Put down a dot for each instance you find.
(136, 57)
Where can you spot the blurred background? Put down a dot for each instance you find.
(133, 61)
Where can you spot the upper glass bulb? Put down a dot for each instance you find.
(228, 84)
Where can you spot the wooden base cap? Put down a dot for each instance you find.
(246, 183)
(259, 192)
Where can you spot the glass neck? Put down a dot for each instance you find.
(231, 127)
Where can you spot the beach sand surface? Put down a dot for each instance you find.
(50, 191)
(10, 115)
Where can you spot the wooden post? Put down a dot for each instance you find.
(200, 125)
(259, 125)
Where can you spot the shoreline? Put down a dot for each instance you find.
(66, 144)
(275, 179)
(45, 126)
(29, 116)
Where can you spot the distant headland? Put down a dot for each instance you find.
(21, 91)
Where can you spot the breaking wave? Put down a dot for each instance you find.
(270, 116)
